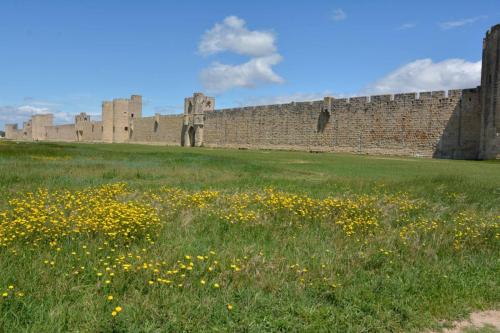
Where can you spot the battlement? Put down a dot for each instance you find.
(11, 127)
(358, 100)
(82, 117)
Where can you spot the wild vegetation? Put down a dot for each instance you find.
(129, 238)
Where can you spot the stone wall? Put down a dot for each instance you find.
(430, 124)
(89, 131)
(157, 129)
(293, 125)
(61, 133)
(461, 133)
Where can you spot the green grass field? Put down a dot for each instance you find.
(190, 240)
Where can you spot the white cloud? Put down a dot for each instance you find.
(233, 36)
(459, 23)
(339, 15)
(424, 75)
(17, 114)
(407, 26)
(221, 77)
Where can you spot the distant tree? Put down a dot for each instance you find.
(2, 134)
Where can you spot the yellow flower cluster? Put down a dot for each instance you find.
(117, 213)
(105, 210)
(415, 229)
(359, 215)
(470, 230)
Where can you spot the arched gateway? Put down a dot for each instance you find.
(194, 118)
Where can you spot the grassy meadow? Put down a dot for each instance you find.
(136, 238)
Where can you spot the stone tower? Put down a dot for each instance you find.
(107, 121)
(39, 122)
(11, 131)
(121, 120)
(194, 119)
(135, 106)
(490, 95)
(81, 121)
(118, 117)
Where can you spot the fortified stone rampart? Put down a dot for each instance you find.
(61, 133)
(460, 124)
(435, 124)
(87, 130)
(164, 129)
(12, 132)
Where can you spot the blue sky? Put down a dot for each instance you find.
(67, 56)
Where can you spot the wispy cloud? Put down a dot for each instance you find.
(339, 15)
(461, 22)
(416, 76)
(232, 35)
(407, 26)
(286, 98)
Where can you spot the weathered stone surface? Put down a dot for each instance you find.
(490, 95)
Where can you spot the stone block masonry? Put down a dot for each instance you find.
(459, 124)
(404, 124)
(39, 122)
(158, 130)
(490, 95)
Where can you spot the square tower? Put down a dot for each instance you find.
(118, 116)
(39, 122)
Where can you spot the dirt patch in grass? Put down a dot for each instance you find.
(477, 320)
